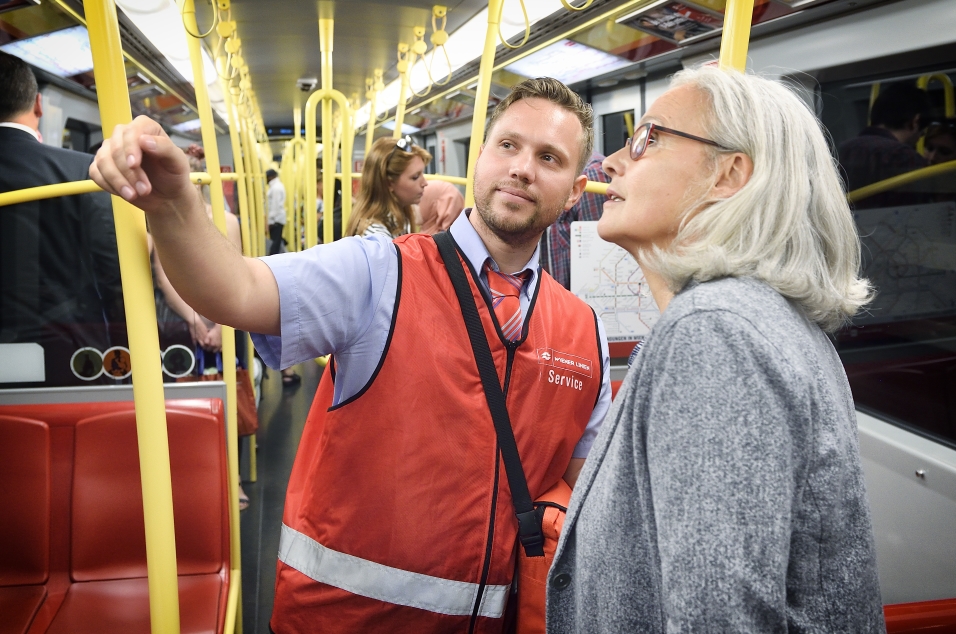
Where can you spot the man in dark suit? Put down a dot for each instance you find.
(59, 268)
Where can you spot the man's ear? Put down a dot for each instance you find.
(38, 106)
(733, 172)
(576, 191)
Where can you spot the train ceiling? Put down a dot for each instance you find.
(280, 43)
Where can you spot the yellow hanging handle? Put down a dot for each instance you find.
(570, 7)
(527, 26)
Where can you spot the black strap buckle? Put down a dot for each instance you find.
(529, 532)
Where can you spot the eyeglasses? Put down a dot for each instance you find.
(638, 142)
(404, 144)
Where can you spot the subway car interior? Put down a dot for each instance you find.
(120, 490)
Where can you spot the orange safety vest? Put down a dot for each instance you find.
(398, 515)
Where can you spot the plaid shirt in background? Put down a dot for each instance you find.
(556, 241)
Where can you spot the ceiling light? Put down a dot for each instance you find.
(567, 61)
(64, 53)
(162, 24)
(464, 46)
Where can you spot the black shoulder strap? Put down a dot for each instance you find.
(529, 523)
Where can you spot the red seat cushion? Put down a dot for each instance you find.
(108, 538)
(18, 606)
(24, 501)
(122, 606)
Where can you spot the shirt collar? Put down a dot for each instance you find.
(20, 126)
(476, 252)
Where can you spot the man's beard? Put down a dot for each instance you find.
(510, 228)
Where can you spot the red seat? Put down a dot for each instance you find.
(18, 607)
(934, 617)
(77, 556)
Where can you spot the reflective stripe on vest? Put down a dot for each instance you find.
(384, 583)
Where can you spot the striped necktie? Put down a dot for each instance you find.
(505, 290)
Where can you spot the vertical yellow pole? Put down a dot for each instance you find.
(211, 147)
(311, 230)
(404, 69)
(110, 75)
(258, 196)
(481, 99)
(237, 161)
(735, 39)
(326, 31)
(348, 141)
(370, 128)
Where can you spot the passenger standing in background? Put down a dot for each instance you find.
(439, 207)
(59, 267)
(275, 201)
(393, 179)
(726, 492)
(887, 147)
(398, 515)
(556, 243)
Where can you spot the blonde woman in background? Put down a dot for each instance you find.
(393, 179)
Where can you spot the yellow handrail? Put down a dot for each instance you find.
(592, 187)
(148, 398)
(949, 98)
(735, 38)
(328, 166)
(899, 181)
(71, 189)
(211, 148)
(481, 97)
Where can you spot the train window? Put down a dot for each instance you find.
(900, 353)
(617, 129)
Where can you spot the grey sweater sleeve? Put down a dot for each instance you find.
(720, 455)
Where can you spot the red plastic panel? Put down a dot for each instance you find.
(24, 501)
(934, 617)
(108, 540)
(122, 607)
(18, 606)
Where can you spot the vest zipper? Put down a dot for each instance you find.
(486, 566)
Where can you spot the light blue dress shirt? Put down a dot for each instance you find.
(339, 298)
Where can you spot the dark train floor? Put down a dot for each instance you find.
(282, 413)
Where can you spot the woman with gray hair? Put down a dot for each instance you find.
(725, 492)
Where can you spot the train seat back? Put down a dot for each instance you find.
(70, 486)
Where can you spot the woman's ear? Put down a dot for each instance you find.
(733, 172)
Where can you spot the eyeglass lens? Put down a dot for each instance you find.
(639, 141)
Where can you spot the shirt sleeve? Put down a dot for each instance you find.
(721, 461)
(328, 297)
(603, 404)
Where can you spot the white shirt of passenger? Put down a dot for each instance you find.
(275, 197)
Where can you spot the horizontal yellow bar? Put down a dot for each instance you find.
(77, 187)
(593, 187)
(899, 181)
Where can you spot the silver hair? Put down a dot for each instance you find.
(790, 225)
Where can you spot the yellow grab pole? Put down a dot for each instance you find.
(48, 191)
(240, 171)
(949, 99)
(403, 70)
(372, 96)
(254, 190)
(255, 173)
(326, 97)
(481, 99)
(735, 39)
(898, 181)
(211, 147)
(326, 33)
(110, 76)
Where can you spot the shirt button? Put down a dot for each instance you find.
(561, 581)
